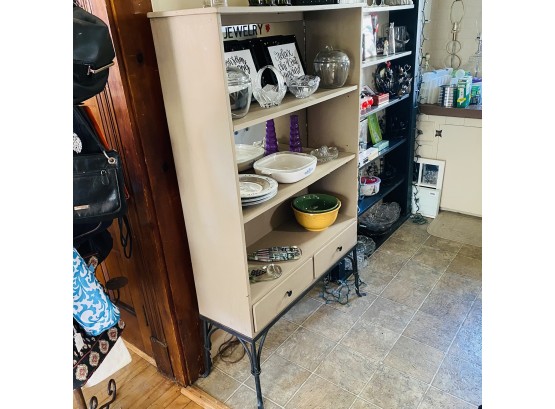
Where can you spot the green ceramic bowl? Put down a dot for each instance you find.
(316, 203)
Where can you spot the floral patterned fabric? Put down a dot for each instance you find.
(92, 308)
(89, 351)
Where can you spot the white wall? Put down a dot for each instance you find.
(438, 30)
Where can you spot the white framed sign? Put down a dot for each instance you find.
(430, 172)
(243, 60)
(286, 59)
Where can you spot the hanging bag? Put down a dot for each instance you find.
(98, 184)
(93, 54)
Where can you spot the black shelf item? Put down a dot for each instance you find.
(380, 238)
(377, 108)
(368, 201)
(393, 144)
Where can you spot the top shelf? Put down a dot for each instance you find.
(381, 9)
(270, 10)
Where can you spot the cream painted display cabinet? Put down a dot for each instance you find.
(190, 55)
(457, 141)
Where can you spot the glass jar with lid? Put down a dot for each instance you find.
(240, 91)
(332, 66)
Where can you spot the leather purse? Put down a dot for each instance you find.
(98, 183)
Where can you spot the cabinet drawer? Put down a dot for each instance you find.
(335, 250)
(280, 297)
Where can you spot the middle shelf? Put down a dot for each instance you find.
(287, 190)
(367, 202)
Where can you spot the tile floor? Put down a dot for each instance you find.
(413, 342)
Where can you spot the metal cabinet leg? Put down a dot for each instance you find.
(254, 355)
(355, 273)
(207, 331)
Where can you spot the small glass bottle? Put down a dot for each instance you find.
(391, 39)
(270, 143)
(294, 135)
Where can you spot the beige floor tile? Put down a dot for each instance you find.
(218, 384)
(390, 388)
(316, 292)
(347, 369)
(414, 358)
(443, 244)
(375, 280)
(466, 266)
(362, 404)
(471, 251)
(468, 342)
(238, 370)
(302, 310)
(279, 379)
(386, 262)
(420, 273)
(436, 399)
(318, 393)
(431, 330)
(356, 305)
(460, 378)
(276, 336)
(371, 341)
(402, 248)
(331, 323)
(464, 287)
(446, 305)
(434, 258)
(405, 292)
(305, 348)
(245, 398)
(388, 314)
(408, 232)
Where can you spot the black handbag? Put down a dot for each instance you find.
(93, 54)
(98, 183)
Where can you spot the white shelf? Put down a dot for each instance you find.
(288, 190)
(383, 58)
(381, 9)
(289, 104)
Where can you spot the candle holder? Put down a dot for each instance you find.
(270, 143)
(294, 136)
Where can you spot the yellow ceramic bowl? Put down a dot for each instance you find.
(316, 221)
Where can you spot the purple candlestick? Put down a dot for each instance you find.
(270, 143)
(294, 135)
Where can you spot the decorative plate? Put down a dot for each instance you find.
(245, 155)
(251, 185)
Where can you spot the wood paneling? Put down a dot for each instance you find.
(160, 272)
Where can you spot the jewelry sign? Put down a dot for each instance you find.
(245, 30)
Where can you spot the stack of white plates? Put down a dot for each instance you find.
(256, 189)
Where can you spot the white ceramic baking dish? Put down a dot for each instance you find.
(286, 167)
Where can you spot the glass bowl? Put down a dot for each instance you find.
(325, 154)
(380, 218)
(303, 86)
(332, 66)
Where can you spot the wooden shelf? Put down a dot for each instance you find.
(291, 233)
(288, 190)
(369, 62)
(378, 108)
(289, 104)
(368, 201)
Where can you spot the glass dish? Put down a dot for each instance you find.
(324, 154)
(303, 86)
(380, 218)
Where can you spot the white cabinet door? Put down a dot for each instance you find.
(427, 141)
(461, 149)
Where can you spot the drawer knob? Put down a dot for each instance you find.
(289, 293)
(340, 248)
